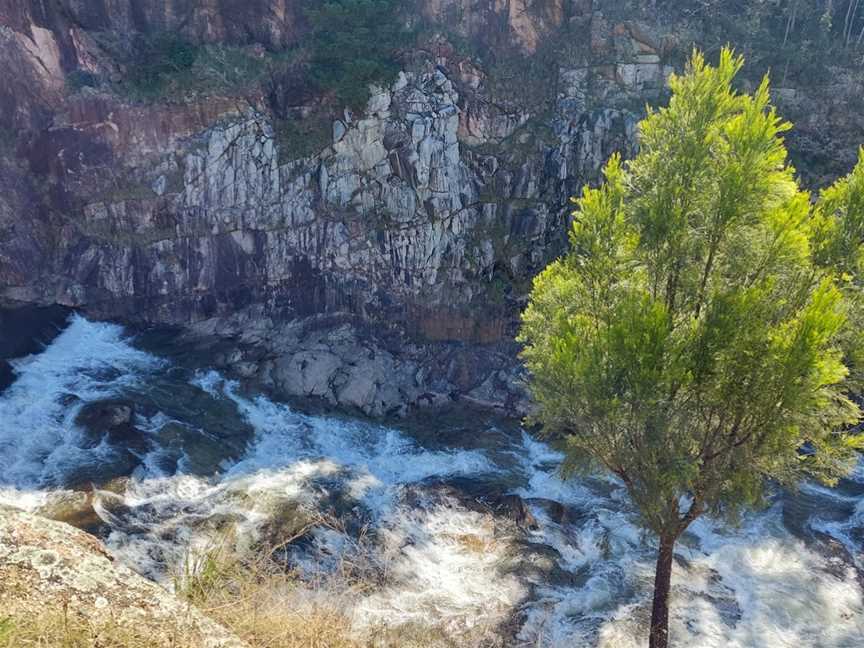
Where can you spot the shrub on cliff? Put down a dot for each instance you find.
(158, 56)
(356, 43)
(695, 341)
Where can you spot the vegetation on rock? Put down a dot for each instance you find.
(253, 593)
(354, 43)
(300, 137)
(695, 341)
(61, 588)
(166, 65)
(157, 57)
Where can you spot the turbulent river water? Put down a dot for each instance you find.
(421, 501)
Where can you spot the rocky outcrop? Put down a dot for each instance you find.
(420, 221)
(395, 220)
(345, 362)
(111, 422)
(524, 22)
(49, 568)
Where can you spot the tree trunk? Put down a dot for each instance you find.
(662, 581)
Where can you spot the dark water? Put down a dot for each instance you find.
(24, 331)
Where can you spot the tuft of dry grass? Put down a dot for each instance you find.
(253, 594)
(260, 600)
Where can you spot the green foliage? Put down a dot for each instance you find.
(225, 67)
(692, 341)
(156, 57)
(165, 65)
(354, 44)
(840, 224)
(78, 79)
(301, 137)
(797, 39)
(838, 234)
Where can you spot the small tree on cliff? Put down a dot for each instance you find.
(355, 43)
(694, 341)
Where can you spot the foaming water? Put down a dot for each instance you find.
(39, 442)
(420, 517)
(446, 563)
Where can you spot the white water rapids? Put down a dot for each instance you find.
(787, 576)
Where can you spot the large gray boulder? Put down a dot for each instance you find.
(48, 567)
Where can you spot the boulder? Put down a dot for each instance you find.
(484, 496)
(111, 422)
(74, 508)
(114, 419)
(78, 507)
(515, 508)
(108, 414)
(48, 567)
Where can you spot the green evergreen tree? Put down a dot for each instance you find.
(840, 223)
(838, 234)
(354, 44)
(695, 340)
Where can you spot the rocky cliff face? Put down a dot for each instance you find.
(383, 267)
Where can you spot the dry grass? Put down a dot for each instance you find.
(472, 542)
(260, 601)
(249, 592)
(255, 596)
(63, 629)
(252, 594)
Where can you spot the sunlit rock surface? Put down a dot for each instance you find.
(48, 567)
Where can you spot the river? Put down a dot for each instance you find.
(422, 500)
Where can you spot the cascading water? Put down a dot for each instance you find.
(40, 447)
(580, 576)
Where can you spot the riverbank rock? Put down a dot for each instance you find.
(345, 363)
(48, 566)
